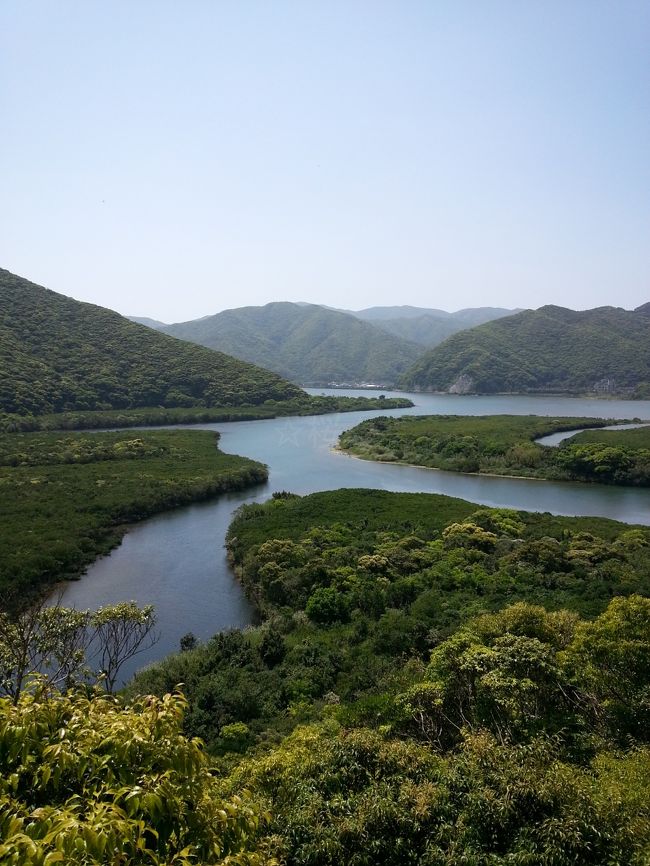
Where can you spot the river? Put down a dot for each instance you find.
(177, 560)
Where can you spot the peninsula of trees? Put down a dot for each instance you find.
(505, 445)
(433, 682)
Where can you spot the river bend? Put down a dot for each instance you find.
(177, 559)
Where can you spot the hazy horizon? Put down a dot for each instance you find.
(335, 309)
(173, 160)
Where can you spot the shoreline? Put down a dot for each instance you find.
(344, 453)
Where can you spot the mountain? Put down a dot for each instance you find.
(428, 327)
(380, 314)
(58, 354)
(150, 323)
(304, 342)
(604, 350)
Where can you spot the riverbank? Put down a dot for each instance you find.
(343, 453)
(178, 556)
(353, 584)
(67, 499)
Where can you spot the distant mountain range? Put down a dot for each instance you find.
(425, 327)
(314, 344)
(306, 343)
(604, 351)
(57, 355)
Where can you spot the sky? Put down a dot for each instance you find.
(173, 159)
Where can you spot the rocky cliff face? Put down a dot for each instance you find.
(464, 384)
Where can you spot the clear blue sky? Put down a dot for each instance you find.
(173, 159)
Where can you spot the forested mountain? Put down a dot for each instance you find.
(553, 349)
(428, 327)
(57, 355)
(304, 342)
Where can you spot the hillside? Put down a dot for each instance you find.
(59, 355)
(426, 327)
(304, 342)
(604, 350)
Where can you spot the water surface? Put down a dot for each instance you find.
(177, 560)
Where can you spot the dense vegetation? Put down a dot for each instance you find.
(306, 404)
(66, 498)
(387, 576)
(304, 342)
(86, 780)
(59, 355)
(469, 685)
(504, 445)
(426, 327)
(552, 349)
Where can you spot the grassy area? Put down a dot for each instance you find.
(66, 498)
(504, 445)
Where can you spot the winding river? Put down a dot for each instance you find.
(177, 560)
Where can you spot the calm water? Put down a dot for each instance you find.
(177, 560)
(554, 439)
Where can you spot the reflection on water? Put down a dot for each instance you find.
(177, 560)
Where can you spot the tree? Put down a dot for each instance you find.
(121, 631)
(51, 641)
(188, 642)
(60, 644)
(326, 606)
(610, 659)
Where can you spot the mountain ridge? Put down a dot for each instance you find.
(552, 349)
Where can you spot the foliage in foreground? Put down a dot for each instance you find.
(504, 445)
(450, 721)
(66, 498)
(87, 780)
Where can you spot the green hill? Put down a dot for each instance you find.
(60, 355)
(603, 351)
(304, 342)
